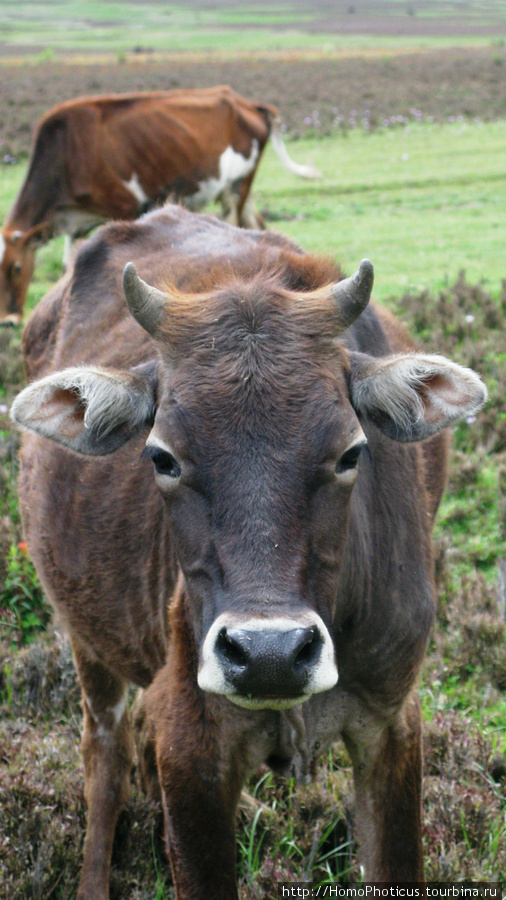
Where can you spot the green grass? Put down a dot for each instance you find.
(88, 26)
(472, 517)
(422, 203)
(11, 178)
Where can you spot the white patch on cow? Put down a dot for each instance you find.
(233, 167)
(75, 222)
(119, 709)
(67, 251)
(12, 318)
(108, 720)
(136, 189)
(211, 677)
(3, 246)
(349, 476)
(154, 441)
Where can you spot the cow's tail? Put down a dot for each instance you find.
(282, 152)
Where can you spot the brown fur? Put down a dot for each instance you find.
(84, 151)
(250, 379)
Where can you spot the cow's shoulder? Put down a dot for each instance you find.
(69, 115)
(174, 246)
(40, 332)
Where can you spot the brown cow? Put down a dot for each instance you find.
(114, 157)
(264, 570)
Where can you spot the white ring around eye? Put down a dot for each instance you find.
(155, 443)
(349, 474)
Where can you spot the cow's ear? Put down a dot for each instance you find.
(413, 395)
(90, 410)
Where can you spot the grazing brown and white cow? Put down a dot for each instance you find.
(114, 157)
(234, 512)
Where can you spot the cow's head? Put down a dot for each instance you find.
(254, 412)
(17, 262)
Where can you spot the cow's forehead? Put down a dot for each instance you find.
(251, 359)
(258, 369)
(203, 407)
(257, 322)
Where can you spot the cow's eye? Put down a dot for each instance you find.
(349, 460)
(164, 462)
(17, 268)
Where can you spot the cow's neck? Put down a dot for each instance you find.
(33, 206)
(385, 602)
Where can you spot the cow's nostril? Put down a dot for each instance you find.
(231, 650)
(310, 649)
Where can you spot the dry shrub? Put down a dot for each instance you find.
(483, 645)
(42, 809)
(40, 680)
(469, 637)
(12, 376)
(467, 324)
(464, 808)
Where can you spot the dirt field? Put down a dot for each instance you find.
(436, 84)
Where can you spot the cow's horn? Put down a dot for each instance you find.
(353, 294)
(146, 303)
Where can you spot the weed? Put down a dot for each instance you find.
(22, 606)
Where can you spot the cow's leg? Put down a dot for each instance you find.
(229, 200)
(201, 772)
(238, 207)
(107, 749)
(248, 215)
(387, 765)
(71, 248)
(146, 750)
(200, 791)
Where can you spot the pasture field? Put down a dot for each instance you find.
(411, 149)
(41, 30)
(422, 200)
